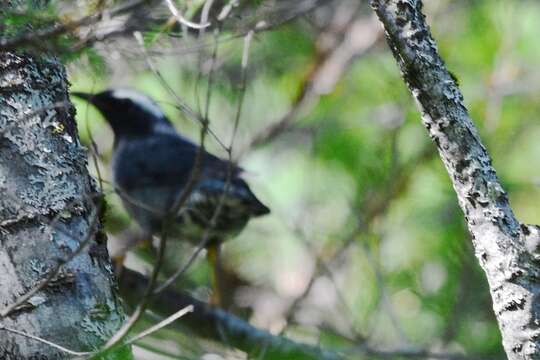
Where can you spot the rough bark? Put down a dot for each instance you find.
(47, 209)
(507, 250)
(218, 325)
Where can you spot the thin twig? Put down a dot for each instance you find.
(116, 339)
(59, 29)
(177, 315)
(204, 14)
(182, 20)
(206, 235)
(180, 103)
(244, 64)
(93, 148)
(43, 341)
(360, 35)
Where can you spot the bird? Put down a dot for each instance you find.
(151, 167)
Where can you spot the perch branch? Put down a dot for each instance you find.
(215, 324)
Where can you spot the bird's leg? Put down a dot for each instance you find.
(126, 243)
(147, 242)
(212, 253)
(118, 265)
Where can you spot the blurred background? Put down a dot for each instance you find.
(366, 245)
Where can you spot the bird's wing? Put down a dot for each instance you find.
(168, 161)
(153, 161)
(165, 159)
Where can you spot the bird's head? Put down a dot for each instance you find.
(129, 112)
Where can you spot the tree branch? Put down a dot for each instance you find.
(215, 324)
(506, 250)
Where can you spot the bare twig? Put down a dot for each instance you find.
(180, 103)
(245, 58)
(58, 29)
(359, 35)
(93, 148)
(177, 315)
(43, 341)
(206, 235)
(182, 20)
(117, 339)
(204, 14)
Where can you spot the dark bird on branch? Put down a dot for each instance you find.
(152, 165)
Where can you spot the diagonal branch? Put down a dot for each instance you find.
(505, 248)
(212, 323)
(350, 40)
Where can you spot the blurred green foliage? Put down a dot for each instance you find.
(356, 173)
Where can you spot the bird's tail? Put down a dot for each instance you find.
(257, 208)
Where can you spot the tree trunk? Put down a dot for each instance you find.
(507, 250)
(48, 208)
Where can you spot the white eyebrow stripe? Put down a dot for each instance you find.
(142, 100)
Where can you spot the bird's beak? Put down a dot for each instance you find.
(85, 96)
